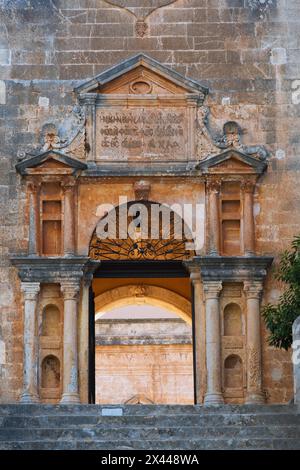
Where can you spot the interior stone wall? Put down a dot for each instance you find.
(161, 373)
(247, 54)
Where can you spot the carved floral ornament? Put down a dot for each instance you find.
(68, 136)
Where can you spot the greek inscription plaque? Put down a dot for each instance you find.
(145, 134)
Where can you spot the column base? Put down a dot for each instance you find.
(28, 397)
(249, 253)
(255, 398)
(213, 399)
(69, 398)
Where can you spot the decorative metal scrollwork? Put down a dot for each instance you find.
(136, 247)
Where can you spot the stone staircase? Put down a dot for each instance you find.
(163, 427)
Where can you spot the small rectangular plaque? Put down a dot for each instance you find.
(112, 412)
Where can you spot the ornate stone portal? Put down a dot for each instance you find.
(142, 128)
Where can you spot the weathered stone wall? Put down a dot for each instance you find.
(161, 373)
(246, 51)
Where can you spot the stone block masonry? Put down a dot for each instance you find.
(248, 55)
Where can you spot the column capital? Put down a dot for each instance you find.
(87, 279)
(30, 290)
(213, 185)
(33, 185)
(212, 289)
(70, 289)
(88, 99)
(195, 272)
(248, 186)
(68, 185)
(253, 289)
(195, 277)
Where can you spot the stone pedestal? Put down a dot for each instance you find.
(255, 395)
(70, 290)
(213, 394)
(30, 365)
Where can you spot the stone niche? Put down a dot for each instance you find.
(50, 343)
(233, 327)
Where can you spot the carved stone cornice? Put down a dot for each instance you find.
(71, 165)
(90, 86)
(50, 270)
(232, 268)
(88, 99)
(30, 290)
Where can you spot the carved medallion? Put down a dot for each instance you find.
(140, 87)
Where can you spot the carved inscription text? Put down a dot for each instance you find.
(125, 134)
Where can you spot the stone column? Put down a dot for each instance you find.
(213, 187)
(70, 290)
(83, 339)
(296, 360)
(69, 219)
(33, 245)
(30, 364)
(253, 290)
(248, 223)
(199, 335)
(213, 394)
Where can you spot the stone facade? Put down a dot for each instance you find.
(237, 147)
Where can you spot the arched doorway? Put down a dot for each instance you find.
(141, 266)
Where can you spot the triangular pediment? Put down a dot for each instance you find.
(50, 162)
(141, 75)
(232, 161)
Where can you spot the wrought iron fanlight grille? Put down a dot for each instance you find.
(173, 242)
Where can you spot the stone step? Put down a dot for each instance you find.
(148, 420)
(43, 409)
(190, 444)
(149, 433)
(149, 427)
